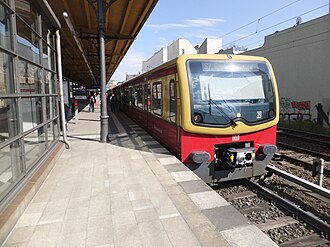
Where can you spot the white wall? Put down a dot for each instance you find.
(300, 57)
(210, 46)
(158, 58)
(179, 47)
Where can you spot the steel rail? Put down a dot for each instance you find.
(294, 209)
(305, 138)
(303, 163)
(302, 182)
(326, 157)
(303, 132)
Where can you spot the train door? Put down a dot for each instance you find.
(173, 113)
(146, 105)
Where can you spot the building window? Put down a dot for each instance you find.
(157, 98)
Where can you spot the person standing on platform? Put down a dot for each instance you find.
(92, 101)
(112, 102)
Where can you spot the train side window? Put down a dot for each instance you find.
(172, 101)
(131, 96)
(138, 96)
(147, 97)
(157, 98)
(126, 96)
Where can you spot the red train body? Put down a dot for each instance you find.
(219, 137)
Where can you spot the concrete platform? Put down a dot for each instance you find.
(128, 192)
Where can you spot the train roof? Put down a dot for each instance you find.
(185, 57)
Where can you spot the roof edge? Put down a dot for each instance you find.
(45, 7)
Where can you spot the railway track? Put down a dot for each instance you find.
(306, 136)
(288, 205)
(287, 221)
(304, 142)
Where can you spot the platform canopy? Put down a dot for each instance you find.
(123, 21)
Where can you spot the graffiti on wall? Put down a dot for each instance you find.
(302, 105)
(295, 109)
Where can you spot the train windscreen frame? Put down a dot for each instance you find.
(226, 91)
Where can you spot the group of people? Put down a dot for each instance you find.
(111, 101)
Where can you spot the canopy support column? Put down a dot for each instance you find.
(101, 33)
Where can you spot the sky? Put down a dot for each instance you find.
(240, 22)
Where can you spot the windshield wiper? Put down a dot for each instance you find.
(231, 120)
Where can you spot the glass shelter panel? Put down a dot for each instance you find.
(29, 78)
(35, 145)
(6, 74)
(5, 29)
(25, 10)
(9, 123)
(27, 42)
(31, 112)
(10, 165)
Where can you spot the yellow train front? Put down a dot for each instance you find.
(217, 113)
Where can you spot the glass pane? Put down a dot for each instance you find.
(31, 112)
(5, 31)
(147, 97)
(34, 144)
(50, 131)
(29, 78)
(49, 79)
(27, 42)
(56, 129)
(48, 57)
(9, 126)
(51, 107)
(7, 85)
(27, 12)
(10, 165)
(47, 34)
(157, 98)
(224, 91)
(172, 101)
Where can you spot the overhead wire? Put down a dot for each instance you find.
(258, 20)
(279, 23)
(264, 29)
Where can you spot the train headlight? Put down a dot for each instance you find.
(271, 113)
(198, 118)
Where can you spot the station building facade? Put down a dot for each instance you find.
(29, 111)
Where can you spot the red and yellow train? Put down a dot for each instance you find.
(217, 113)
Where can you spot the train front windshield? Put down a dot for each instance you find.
(224, 92)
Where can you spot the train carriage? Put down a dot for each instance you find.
(217, 113)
